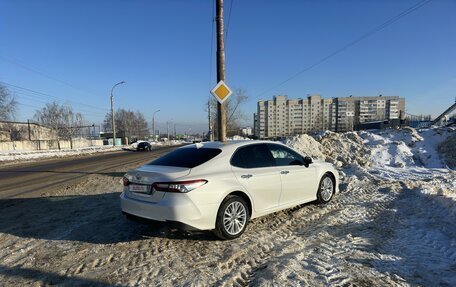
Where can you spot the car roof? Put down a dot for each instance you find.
(229, 146)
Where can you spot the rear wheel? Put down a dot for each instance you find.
(325, 189)
(232, 218)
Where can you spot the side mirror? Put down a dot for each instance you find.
(307, 160)
(297, 162)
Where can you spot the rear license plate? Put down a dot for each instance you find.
(140, 188)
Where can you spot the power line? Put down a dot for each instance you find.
(31, 98)
(43, 74)
(36, 98)
(228, 21)
(31, 106)
(352, 43)
(86, 116)
(212, 48)
(51, 96)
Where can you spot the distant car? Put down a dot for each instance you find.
(134, 144)
(145, 146)
(221, 186)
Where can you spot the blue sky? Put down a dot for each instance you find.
(76, 51)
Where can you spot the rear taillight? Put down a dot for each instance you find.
(179, 186)
(125, 181)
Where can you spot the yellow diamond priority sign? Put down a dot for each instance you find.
(221, 92)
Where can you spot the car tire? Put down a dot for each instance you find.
(325, 189)
(232, 218)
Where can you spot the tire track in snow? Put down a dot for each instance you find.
(331, 248)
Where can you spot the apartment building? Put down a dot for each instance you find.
(284, 117)
(349, 112)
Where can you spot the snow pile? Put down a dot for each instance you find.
(390, 148)
(448, 149)
(420, 160)
(340, 149)
(14, 156)
(306, 145)
(426, 152)
(381, 148)
(344, 149)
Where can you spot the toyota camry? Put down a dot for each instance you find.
(221, 186)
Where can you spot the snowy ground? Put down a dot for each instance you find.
(392, 224)
(8, 157)
(27, 155)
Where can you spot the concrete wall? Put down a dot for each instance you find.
(20, 131)
(47, 144)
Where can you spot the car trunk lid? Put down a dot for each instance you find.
(141, 180)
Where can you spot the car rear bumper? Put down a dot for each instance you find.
(173, 207)
(160, 224)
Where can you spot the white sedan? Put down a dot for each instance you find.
(221, 186)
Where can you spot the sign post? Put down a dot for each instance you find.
(221, 92)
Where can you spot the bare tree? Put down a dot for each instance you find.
(141, 125)
(128, 124)
(72, 123)
(61, 119)
(234, 114)
(8, 104)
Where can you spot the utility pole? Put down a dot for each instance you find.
(29, 133)
(211, 135)
(153, 123)
(112, 113)
(221, 115)
(113, 123)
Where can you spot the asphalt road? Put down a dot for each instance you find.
(31, 179)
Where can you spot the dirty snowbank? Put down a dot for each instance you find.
(421, 159)
(15, 156)
(429, 148)
(340, 149)
(448, 149)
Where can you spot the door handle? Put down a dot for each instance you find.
(284, 172)
(246, 176)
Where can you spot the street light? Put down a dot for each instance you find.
(153, 123)
(167, 128)
(112, 113)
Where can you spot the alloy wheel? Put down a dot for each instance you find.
(234, 218)
(326, 189)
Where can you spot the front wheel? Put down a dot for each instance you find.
(325, 189)
(232, 218)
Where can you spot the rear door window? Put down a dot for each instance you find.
(284, 156)
(253, 156)
(188, 157)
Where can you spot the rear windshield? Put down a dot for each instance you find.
(187, 157)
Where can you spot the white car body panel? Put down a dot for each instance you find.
(263, 185)
(298, 185)
(267, 190)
